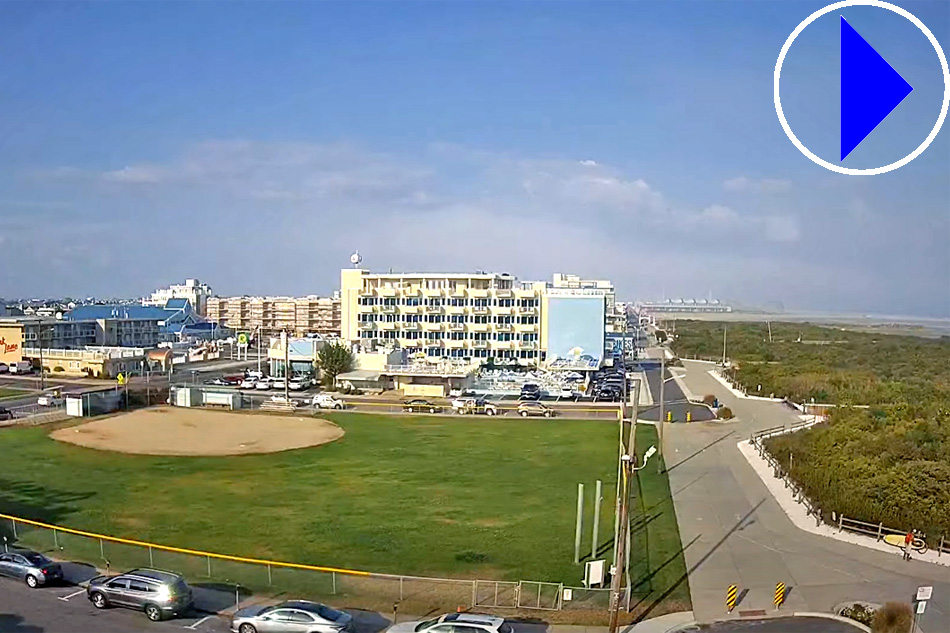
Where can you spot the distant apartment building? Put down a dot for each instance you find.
(299, 316)
(615, 313)
(476, 316)
(77, 334)
(196, 292)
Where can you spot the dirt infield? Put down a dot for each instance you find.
(194, 432)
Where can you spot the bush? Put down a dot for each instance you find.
(893, 617)
(709, 399)
(724, 413)
(58, 368)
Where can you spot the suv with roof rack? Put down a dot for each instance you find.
(159, 594)
(455, 623)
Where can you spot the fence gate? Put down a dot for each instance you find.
(493, 593)
(539, 595)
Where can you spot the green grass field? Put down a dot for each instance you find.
(12, 393)
(471, 498)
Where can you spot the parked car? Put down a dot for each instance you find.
(300, 383)
(566, 392)
(326, 401)
(253, 373)
(418, 404)
(20, 367)
(530, 392)
(159, 594)
(284, 400)
(449, 623)
(4, 368)
(249, 383)
(31, 567)
(50, 400)
(291, 616)
(216, 381)
(264, 384)
(5, 414)
(526, 409)
(233, 381)
(279, 383)
(474, 406)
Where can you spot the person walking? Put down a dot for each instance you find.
(908, 541)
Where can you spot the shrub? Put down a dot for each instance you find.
(709, 399)
(58, 368)
(859, 613)
(893, 617)
(724, 413)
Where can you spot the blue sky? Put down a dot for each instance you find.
(256, 145)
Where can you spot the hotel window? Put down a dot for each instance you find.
(504, 303)
(480, 319)
(480, 303)
(457, 318)
(457, 336)
(480, 336)
(459, 303)
(503, 336)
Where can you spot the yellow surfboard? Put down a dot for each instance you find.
(894, 539)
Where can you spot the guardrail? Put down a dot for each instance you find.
(362, 588)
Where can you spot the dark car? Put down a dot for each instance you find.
(530, 392)
(5, 414)
(159, 594)
(418, 404)
(31, 567)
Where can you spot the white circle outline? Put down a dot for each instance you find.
(876, 170)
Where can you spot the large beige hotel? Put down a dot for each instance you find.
(476, 315)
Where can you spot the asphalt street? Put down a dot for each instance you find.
(776, 625)
(734, 532)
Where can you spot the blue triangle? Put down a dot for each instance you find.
(870, 88)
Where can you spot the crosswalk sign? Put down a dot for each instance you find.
(121, 379)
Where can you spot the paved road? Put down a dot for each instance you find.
(735, 532)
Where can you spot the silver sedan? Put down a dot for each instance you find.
(293, 616)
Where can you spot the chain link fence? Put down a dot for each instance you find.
(240, 578)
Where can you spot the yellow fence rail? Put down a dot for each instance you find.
(181, 550)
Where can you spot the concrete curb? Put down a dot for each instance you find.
(737, 393)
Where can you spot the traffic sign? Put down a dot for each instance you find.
(121, 379)
(242, 338)
(870, 88)
(921, 606)
(924, 593)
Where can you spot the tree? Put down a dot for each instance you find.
(334, 359)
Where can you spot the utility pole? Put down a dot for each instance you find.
(39, 335)
(662, 421)
(615, 580)
(769, 323)
(724, 329)
(258, 352)
(286, 366)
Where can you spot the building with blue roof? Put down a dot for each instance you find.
(176, 320)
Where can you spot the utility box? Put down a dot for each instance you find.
(186, 397)
(230, 400)
(594, 573)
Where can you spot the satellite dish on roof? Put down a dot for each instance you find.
(356, 258)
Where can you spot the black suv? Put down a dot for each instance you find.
(530, 392)
(159, 594)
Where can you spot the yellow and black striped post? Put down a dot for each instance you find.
(669, 416)
(689, 416)
(779, 594)
(731, 597)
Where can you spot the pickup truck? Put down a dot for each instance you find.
(461, 406)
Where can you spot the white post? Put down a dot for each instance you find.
(579, 525)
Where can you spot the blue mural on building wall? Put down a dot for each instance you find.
(576, 330)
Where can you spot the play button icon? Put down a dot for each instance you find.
(870, 88)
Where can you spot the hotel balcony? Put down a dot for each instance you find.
(386, 325)
(414, 326)
(453, 344)
(503, 327)
(410, 309)
(388, 309)
(410, 291)
(458, 292)
(386, 291)
(501, 310)
(528, 346)
(480, 310)
(504, 293)
(432, 327)
(525, 293)
(478, 327)
(456, 327)
(526, 327)
(432, 292)
(502, 344)
(480, 344)
(432, 309)
(454, 310)
(524, 310)
(364, 309)
(478, 293)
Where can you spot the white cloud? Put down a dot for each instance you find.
(141, 174)
(782, 228)
(743, 184)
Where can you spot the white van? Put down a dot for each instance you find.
(21, 367)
